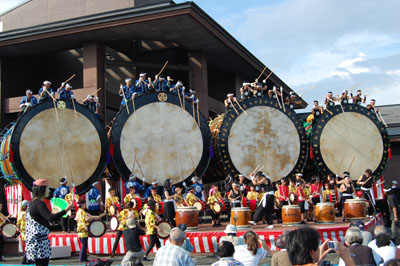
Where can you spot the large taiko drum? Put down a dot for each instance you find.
(325, 212)
(291, 215)
(188, 216)
(354, 137)
(47, 144)
(264, 134)
(355, 209)
(241, 217)
(160, 139)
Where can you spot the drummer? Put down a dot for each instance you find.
(358, 98)
(154, 185)
(94, 200)
(371, 105)
(253, 194)
(178, 88)
(283, 194)
(123, 216)
(161, 84)
(44, 92)
(169, 202)
(347, 190)
(274, 93)
(246, 91)
(179, 199)
(243, 184)
(292, 101)
(366, 181)
(65, 92)
(154, 196)
(344, 98)
(329, 195)
(214, 196)
(126, 91)
(91, 102)
(130, 197)
(198, 188)
(61, 192)
(151, 227)
(72, 198)
(229, 102)
(301, 199)
(235, 196)
(28, 101)
(258, 89)
(142, 84)
(112, 200)
(191, 197)
(266, 205)
(133, 181)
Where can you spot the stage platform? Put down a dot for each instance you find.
(206, 239)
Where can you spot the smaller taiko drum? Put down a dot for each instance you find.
(241, 217)
(325, 213)
(355, 209)
(9, 230)
(114, 223)
(97, 228)
(291, 215)
(200, 205)
(219, 206)
(160, 208)
(189, 216)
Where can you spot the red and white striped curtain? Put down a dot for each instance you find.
(14, 199)
(378, 189)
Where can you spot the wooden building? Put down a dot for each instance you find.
(105, 41)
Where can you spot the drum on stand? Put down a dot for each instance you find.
(325, 213)
(9, 230)
(160, 208)
(342, 136)
(74, 143)
(188, 216)
(97, 228)
(163, 229)
(113, 210)
(164, 138)
(241, 217)
(114, 223)
(264, 135)
(218, 206)
(291, 215)
(355, 209)
(200, 205)
(293, 198)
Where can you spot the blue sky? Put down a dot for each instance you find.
(332, 44)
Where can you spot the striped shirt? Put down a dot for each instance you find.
(173, 255)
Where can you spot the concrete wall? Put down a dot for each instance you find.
(36, 12)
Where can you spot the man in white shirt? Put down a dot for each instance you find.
(173, 254)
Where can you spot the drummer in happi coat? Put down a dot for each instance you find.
(123, 216)
(131, 196)
(65, 92)
(133, 181)
(151, 226)
(28, 101)
(45, 92)
(126, 91)
(214, 196)
(190, 197)
(91, 102)
(61, 192)
(142, 84)
(112, 200)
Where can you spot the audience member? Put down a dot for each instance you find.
(281, 258)
(367, 236)
(225, 252)
(394, 210)
(134, 250)
(231, 236)
(379, 230)
(173, 254)
(303, 247)
(395, 262)
(250, 254)
(385, 250)
(362, 255)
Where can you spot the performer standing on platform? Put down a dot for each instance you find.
(344, 98)
(214, 196)
(169, 203)
(347, 190)
(235, 196)
(43, 95)
(142, 84)
(329, 100)
(358, 99)
(190, 197)
(266, 205)
(93, 200)
(179, 199)
(154, 185)
(133, 181)
(315, 193)
(366, 181)
(161, 84)
(112, 200)
(151, 227)
(38, 218)
(283, 193)
(253, 194)
(91, 102)
(130, 197)
(246, 91)
(65, 92)
(329, 195)
(198, 188)
(301, 199)
(21, 224)
(123, 216)
(27, 101)
(229, 102)
(126, 91)
(61, 192)
(243, 186)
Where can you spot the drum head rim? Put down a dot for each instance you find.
(324, 119)
(14, 228)
(143, 100)
(104, 228)
(231, 116)
(23, 120)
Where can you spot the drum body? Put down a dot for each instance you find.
(291, 215)
(41, 147)
(162, 132)
(113, 210)
(265, 135)
(293, 198)
(219, 206)
(242, 216)
(188, 216)
(9, 230)
(355, 135)
(355, 209)
(200, 205)
(114, 223)
(160, 208)
(97, 228)
(163, 229)
(325, 212)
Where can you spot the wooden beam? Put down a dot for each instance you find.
(144, 65)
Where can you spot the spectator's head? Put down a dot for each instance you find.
(40, 189)
(380, 229)
(303, 245)
(230, 230)
(280, 242)
(225, 249)
(394, 262)
(353, 236)
(359, 225)
(382, 240)
(177, 236)
(251, 239)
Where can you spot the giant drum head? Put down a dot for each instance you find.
(263, 135)
(351, 141)
(74, 147)
(159, 139)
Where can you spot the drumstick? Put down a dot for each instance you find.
(193, 113)
(351, 164)
(234, 108)
(268, 76)
(283, 104)
(70, 78)
(55, 108)
(262, 72)
(162, 69)
(198, 114)
(194, 169)
(277, 99)
(255, 169)
(133, 105)
(242, 108)
(140, 168)
(126, 101)
(307, 90)
(383, 121)
(73, 104)
(326, 109)
(376, 113)
(179, 96)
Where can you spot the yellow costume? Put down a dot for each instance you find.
(150, 222)
(190, 199)
(292, 189)
(111, 201)
(180, 200)
(253, 195)
(260, 195)
(156, 197)
(123, 217)
(68, 197)
(325, 195)
(21, 223)
(82, 224)
(128, 198)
